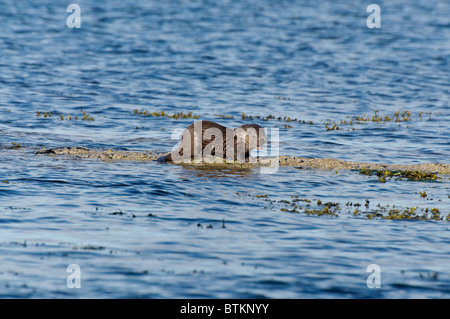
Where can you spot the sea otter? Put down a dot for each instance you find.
(207, 139)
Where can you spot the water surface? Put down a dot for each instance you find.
(146, 230)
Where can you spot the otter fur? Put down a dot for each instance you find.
(206, 138)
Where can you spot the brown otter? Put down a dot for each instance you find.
(206, 138)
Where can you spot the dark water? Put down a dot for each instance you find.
(161, 231)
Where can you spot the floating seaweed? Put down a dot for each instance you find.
(400, 175)
(398, 117)
(334, 209)
(68, 117)
(16, 145)
(324, 211)
(273, 117)
(176, 116)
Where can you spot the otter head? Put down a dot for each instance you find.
(253, 135)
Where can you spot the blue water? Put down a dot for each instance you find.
(146, 230)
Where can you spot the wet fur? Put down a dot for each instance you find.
(241, 131)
